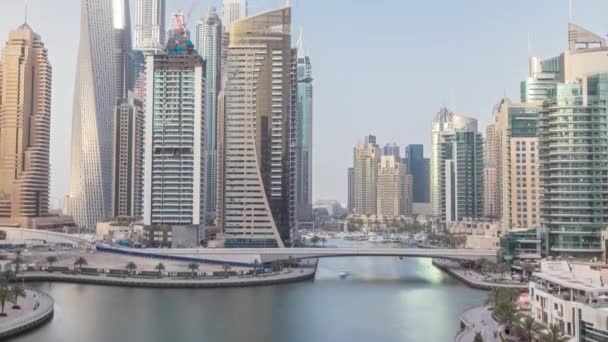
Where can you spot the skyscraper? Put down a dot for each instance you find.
(149, 24)
(367, 158)
(127, 168)
(233, 10)
(257, 117)
(394, 188)
(209, 46)
(392, 150)
(351, 189)
(302, 132)
(416, 166)
(459, 149)
(123, 62)
(492, 170)
(25, 120)
(441, 122)
(174, 161)
(94, 100)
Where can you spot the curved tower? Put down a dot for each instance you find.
(94, 99)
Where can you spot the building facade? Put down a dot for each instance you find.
(257, 123)
(459, 148)
(174, 161)
(389, 186)
(209, 46)
(441, 122)
(367, 158)
(94, 101)
(25, 121)
(149, 24)
(350, 202)
(127, 168)
(417, 167)
(233, 10)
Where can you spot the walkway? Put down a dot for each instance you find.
(36, 309)
(478, 319)
(286, 276)
(473, 278)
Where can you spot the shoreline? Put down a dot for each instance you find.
(47, 309)
(292, 276)
(486, 286)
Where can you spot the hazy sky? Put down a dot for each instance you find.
(380, 66)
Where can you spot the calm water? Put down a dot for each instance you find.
(384, 299)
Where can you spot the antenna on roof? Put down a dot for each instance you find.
(570, 11)
(26, 1)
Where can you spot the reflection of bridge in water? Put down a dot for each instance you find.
(249, 255)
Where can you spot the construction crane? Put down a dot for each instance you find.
(186, 19)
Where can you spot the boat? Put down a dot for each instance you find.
(343, 274)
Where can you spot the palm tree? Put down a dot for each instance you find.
(160, 268)
(315, 240)
(17, 292)
(507, 314)
(527, 328)
(256, 263)
(131, 267)
(553, 334)
(227, 269)
(478, 337)
(5, 296)
(51, 260)
(80, 261)
(323, 241)
(193, 267)
(18, 261)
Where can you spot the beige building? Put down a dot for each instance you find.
(367, 157)
(394, 188)
(25, 115)
(492, 205)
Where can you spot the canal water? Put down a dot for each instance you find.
(383, 299)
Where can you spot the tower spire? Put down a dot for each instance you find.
(570, 10)
(26, 3)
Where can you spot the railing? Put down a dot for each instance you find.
(32, 317)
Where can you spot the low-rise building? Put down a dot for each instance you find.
(523, 244)
(574, 297)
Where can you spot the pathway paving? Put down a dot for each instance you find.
(478, 319)
(34, 307)
(473, 278)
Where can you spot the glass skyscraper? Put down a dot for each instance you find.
(94, 101)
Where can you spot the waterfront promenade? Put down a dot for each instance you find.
(478, 319)
(272, 278)
(473, 278)
(36, 309)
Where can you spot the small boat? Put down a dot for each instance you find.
(343, 274)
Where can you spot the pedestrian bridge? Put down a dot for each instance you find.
(247, 256)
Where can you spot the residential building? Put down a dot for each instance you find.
(572, 133)
(441, 122)
(367, 158)
(458, 149)
(492, 169)
(392, 149)
(302, 119)
(394, 188)
(209, 46)
(123, 62)
(523, 244)
(573, 297)
(127, 168)
(94, 101)
(25, 120)
(174, 160)
(257, 144)
(418, 167)
(149, 24)
(350, 206)
(233, 10)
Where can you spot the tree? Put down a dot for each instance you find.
(527, 328)
(5, 296)
(553, 334)
(527, 269)
(323, 240)
(506, 313)
(51, 260)
(80, 261)
(290, 261)
(193, 267)
(227, 269)
(256, 263)
(499, 295)
(18, 261)
(131, 267)
(315, 240)
(17, 292)
(160, 268)
(478, 337)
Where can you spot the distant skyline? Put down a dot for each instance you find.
(381, 67)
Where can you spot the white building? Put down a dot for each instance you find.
(149, 24)
(572, 296)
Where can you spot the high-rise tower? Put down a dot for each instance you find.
(94, 101)
(367, 158)
(257, 144)
(233, 10)
(149, 24)
(209, 46)
(25, 120)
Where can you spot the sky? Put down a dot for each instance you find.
(381, 67)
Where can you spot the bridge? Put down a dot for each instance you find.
(247, 256)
